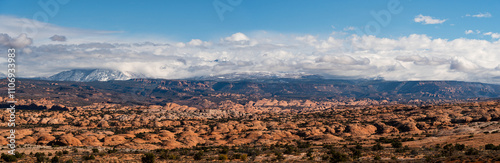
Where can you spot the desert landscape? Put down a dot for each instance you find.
(188, 81)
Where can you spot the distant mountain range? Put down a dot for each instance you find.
(274, 85)
(255, 76)
(88, 75)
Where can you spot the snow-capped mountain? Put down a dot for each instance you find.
(87, 75)
(256, 75)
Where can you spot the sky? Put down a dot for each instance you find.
(388, 39)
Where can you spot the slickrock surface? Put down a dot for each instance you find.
(174, 126)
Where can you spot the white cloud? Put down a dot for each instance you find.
(20, 41)
(462, 64)
(198, 42)
(472, 32)
(344, 60)
(412, 57)
(428, 20)
(237, 37)
(349, 28)
(493, 35)
(480, 15)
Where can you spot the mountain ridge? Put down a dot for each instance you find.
(88, 75)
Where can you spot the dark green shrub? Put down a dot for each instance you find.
(224, 150)
(377, 147)
(148, 158)
(198, 156)
(290, 149)
(397, 144)
(301, 144)
(336, 156)
(19, 155)
(356, 153)
(472, 151)
(223, 157)
(459, 147)
(112, 151)
(9, 157)
(414, 152)
(55, 159)
(40, 157)
(88, 157)
(489, 147)
(243, 157)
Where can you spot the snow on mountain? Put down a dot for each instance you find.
(87, 75)
(255, 75)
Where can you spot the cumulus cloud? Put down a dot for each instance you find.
(480, 15)
(20, 41)
(493, 35)
(472, 32)
(237, 37)
(412, 57)
(198, 42)
(58, 38)
(428, 20)
(462, 64)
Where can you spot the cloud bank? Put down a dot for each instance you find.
(412, 57)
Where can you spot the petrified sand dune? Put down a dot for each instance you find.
(171, 144)
(91, 141)
(361, 130)
(67, 140)
(114, 140)
(3, 141)
(44, 138)
(27, 140)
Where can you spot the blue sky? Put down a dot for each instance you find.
(198, 19)
(422, 40)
